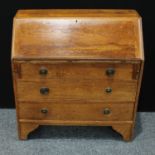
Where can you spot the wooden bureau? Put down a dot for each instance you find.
(77, 67)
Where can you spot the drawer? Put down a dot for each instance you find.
(40, 71)
(73, 89)
(76, 112)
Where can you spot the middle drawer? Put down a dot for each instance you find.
(76, 89)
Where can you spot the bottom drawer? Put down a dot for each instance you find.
(76, 112)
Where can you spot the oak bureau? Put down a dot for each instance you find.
(77, 67)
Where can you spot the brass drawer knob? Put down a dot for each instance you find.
(110, 71)
(43, 71)
(44, 111)
(108, 90)
(44, 90)
(106, 111)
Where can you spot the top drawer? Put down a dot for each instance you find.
(42, 71)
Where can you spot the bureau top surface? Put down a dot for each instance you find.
(77, 34)
(75, 13)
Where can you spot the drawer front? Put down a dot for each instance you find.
(73, 89)
(83, 112)
(35, 71)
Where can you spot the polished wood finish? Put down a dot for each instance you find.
(76, 36)
(110, 13)
(77, 90)
(76, 111)
(77, 67)
(125, 130)
(25, 129)
(77, 70)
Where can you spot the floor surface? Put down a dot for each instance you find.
(54, 140)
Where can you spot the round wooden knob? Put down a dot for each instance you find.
(110, 71)
(44, 111)
(43, 71)
(106, 111)
(44, 90)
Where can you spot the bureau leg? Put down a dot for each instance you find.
(25, 129)
(125, 130)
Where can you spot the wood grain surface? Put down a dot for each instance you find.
(110, 13)
(77, 47)
(77, 36)
(77, 90)
(64, 70)
(84, 112)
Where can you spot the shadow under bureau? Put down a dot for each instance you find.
(77, 67)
